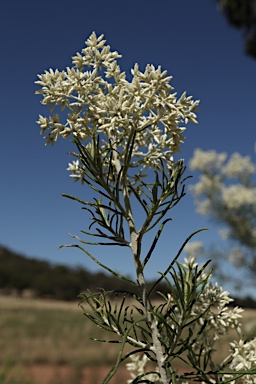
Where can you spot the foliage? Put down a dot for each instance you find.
(126, 134)
(190, 324)
(242, 14)
(53, 333)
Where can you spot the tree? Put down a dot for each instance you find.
(242, 14)
(226, 191)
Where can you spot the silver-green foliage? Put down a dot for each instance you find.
(125, 134)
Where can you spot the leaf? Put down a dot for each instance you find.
(100, 264)
(154, 243)
(119, 358)
(175, 258)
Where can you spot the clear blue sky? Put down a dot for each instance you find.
(190, 39)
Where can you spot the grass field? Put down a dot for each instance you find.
(36, 334)
(42, 334)
(40, 331)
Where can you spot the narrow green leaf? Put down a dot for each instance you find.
(119, 358)
(154, 242)
(175, 258)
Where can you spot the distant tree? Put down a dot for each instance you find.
(19, 273)
(242, 14)
(226, 192)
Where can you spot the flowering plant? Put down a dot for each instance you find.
(126, 133)
(226, 191)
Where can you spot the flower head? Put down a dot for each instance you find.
(140, 119)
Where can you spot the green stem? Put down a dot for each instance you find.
(135, 246)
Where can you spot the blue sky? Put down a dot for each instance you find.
(190, 39)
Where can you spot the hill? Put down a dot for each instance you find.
(21, 274)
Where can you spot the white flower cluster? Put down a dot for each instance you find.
(212, 304)
(137, 367)
(239, 166)
(100, 100)
(244, 358)
(226, 190)
(237, 196)
(219, 318)
(213, 185)
(77, 171)
(210, 160)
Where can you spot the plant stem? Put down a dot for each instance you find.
(135, 246)
(156, 343)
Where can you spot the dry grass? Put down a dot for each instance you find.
(49, 333)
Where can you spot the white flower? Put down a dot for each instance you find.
(219, 318)
(137, 367)
(237, 196)
(100, 100)
(210, 160)
(74, 166)
(244, 358)
(230, 201)
(239, 166)
(77, 171)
